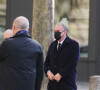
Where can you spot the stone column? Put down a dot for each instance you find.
(42, 29)
(94, 83)
(50, 19)
(43, 21)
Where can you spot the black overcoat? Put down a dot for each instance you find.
(64, 62)
(21, 63)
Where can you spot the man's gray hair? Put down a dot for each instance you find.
(21, 22)
(64, 27)
(64, 23)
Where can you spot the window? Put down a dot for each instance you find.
(77, 13)
(2, 18)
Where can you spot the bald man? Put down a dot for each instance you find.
(21, 59)
(8, 33)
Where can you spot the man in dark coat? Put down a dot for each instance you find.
(61, 61)
(21, 59)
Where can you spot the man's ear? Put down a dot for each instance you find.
(28, 29)
(13, 28)
(65, 32)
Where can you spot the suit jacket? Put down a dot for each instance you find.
(64, 62)
(21, 63)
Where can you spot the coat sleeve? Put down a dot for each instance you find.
(2, 51)
(39, 71)
(47, 62)
(65, 70)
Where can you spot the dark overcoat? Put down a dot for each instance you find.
(64, 62)
(21, 63)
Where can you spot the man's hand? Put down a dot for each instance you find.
(50, 75)
(57, 77)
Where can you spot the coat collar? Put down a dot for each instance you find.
(22, 33)
(67, 40)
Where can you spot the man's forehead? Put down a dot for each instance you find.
(58, 27)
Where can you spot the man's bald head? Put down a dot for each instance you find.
(8, 33)
(20, 23)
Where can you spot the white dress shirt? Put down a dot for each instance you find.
(60, 42)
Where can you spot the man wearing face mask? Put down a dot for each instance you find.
(61, 60)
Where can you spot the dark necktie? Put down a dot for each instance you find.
(59, 45)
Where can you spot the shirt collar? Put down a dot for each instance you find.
(62, 41)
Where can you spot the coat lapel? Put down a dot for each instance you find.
(55, 47)
(62, 46)
(67, 40)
